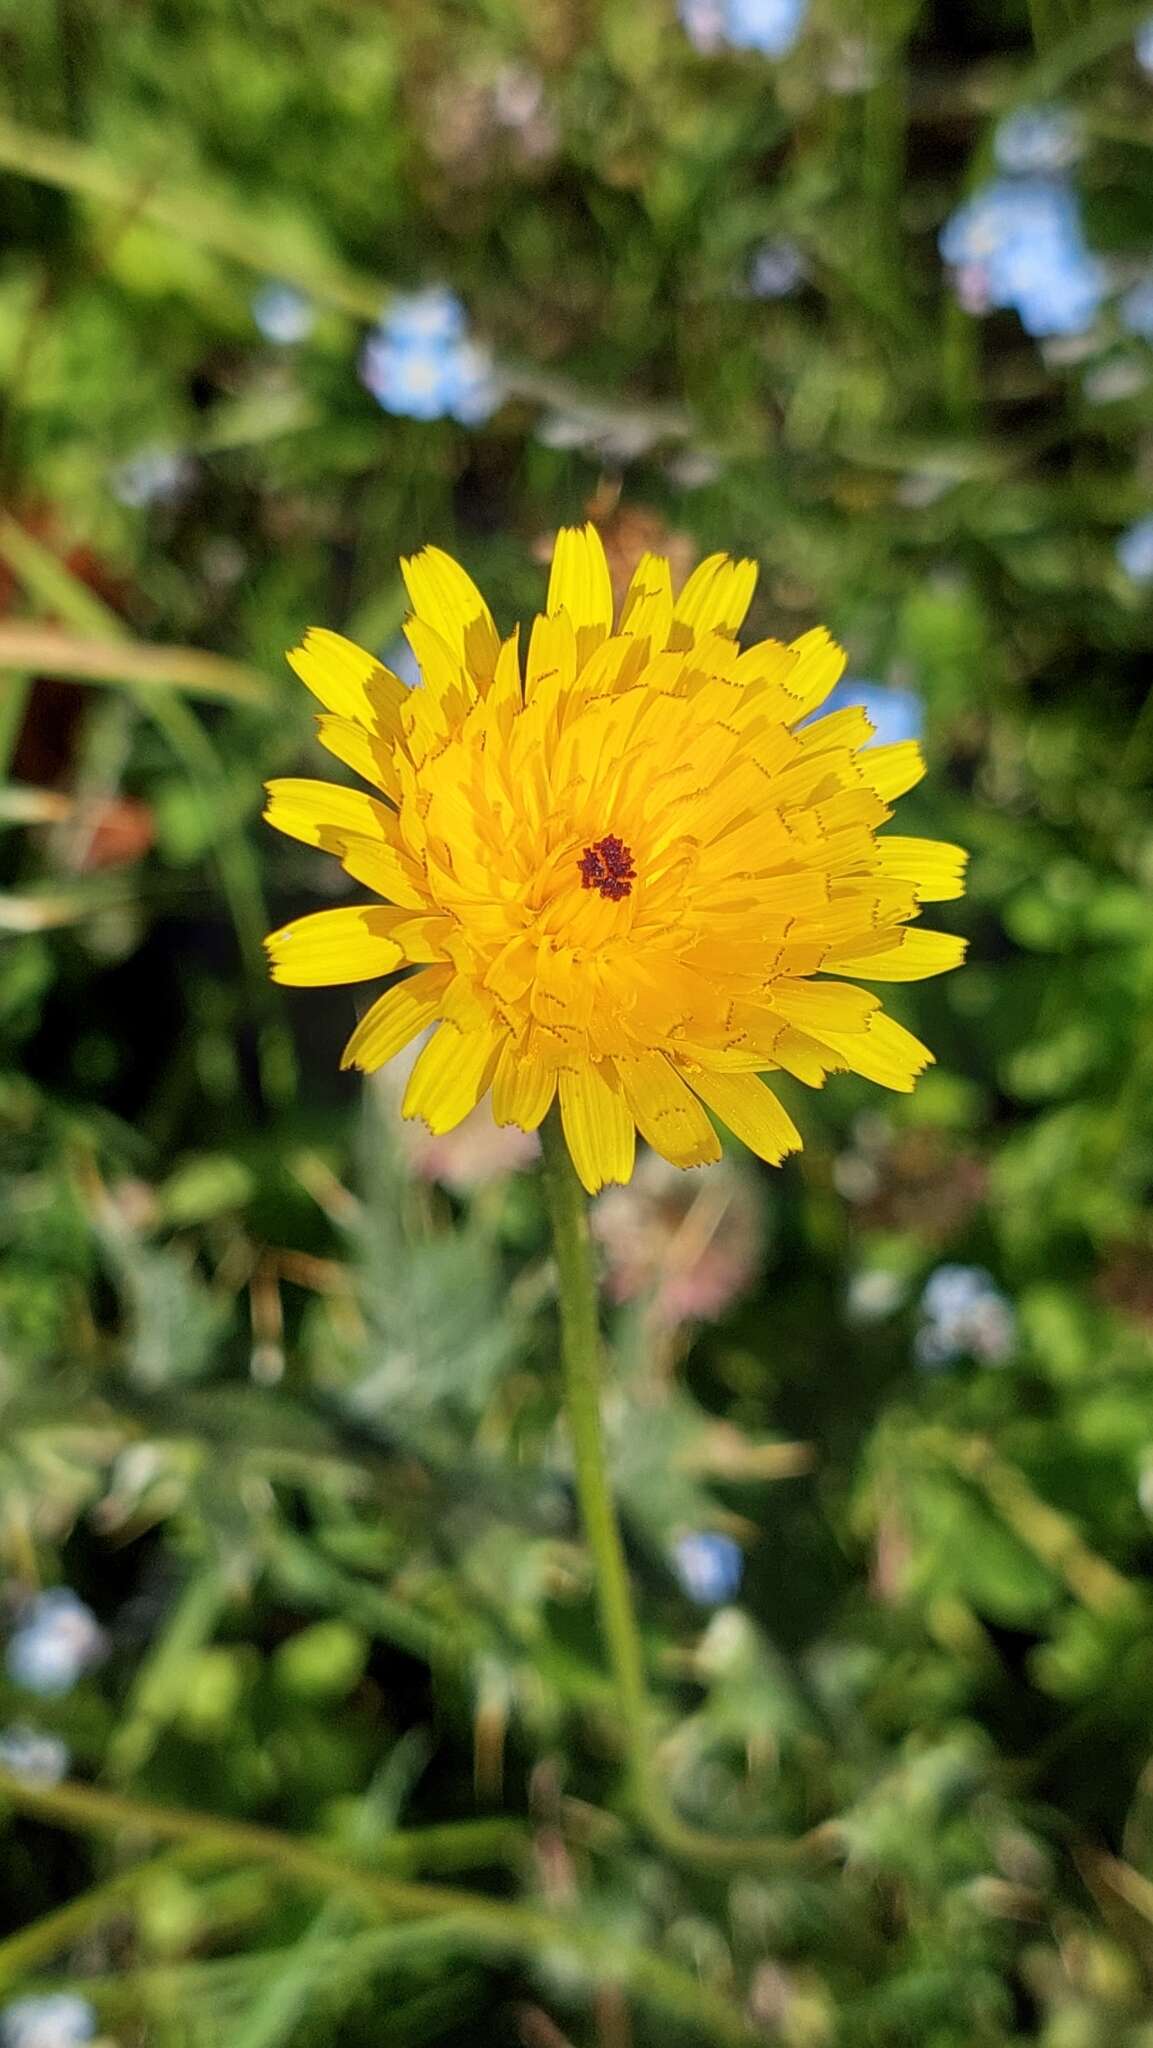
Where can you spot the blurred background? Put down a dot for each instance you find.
(287, 1536)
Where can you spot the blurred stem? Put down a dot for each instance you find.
(1045, 21)
(581, 1357)
(14, 693)
(32, 1946)
(491, 1924)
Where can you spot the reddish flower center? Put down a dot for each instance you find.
(607, 865)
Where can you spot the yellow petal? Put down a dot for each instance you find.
(552, 657)
(423, 937)
(441, 668)
(647, 612)
(363, 835)
(761, 671)
(820, 666)
(822, 1006)
(935, 869)
(447, 599)
(907, 956)
(890, 771)
(751, 1111)
(439, 702)
(667, 1113)
(348, 680)
(886, 1053)
(507, 695)
(849, 727)
(324, 813)
(801, 1056)
(361, 751)
(383, 867)
(580, 585)
(395, 1018)
(715, 599)
(522, 1087)
(333, 947)
(598, 1124)
(450, 1075)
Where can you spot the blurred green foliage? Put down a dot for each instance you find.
(278, 1401)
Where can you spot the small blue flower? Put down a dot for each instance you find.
(478, 390)
(1136, 309)
(1018, 243)
(1003, 217)
(30, 1754)
(57, 1639)
(777, 268)
(59, 2020)
(709, 1566)
(1062, 301)
(153, 476)
(283, 314)
(769, 26)
(1135, 551)
(893, 713)
(965, 1315)
(1143, 46)
(953, 1290)
(420, 362)
(429, 316)
(416, 383)
(1038, 141)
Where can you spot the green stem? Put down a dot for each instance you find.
(14, 693)
(581, 1359)
(581, 1356)
(1045, 21)
(489, 1923)
(49, 1936)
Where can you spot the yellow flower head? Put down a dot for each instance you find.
(623, 875)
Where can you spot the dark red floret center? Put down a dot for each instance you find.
(607, 865)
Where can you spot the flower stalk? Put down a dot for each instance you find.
(581, 1358)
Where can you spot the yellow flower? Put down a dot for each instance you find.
(619, 874)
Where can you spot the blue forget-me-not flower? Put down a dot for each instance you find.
(1136, 309)
(1135, 551)
(768, 26)
(777, 268)
(420, 361)
(1038, 141)
(709, 1566)
(56, 1640)
(964, 1315)
(1018, 243)
(283, 314)
(58, 2019)
(153, 476)
(29, 1753)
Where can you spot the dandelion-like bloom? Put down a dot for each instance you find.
(623, 875)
